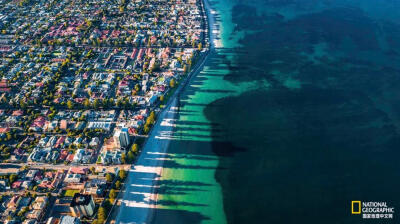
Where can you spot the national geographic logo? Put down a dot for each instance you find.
(372, 209)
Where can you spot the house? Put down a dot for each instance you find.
(79, 155)
(59, 142)
(31, 174)
(17, 113)
(63, 124)
(16, 185)
(4, 131)
(94, 142)
(13, 203)
(73, 178)
(63, 155)
(34, 214)
(95, 187)
(52, 180)
(70, 157)
(40, 203)
(39, 122)
(78, 170)
(26, 184)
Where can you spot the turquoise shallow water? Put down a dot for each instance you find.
(295, 115)
(193, 163)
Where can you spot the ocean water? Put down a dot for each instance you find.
(295, 115)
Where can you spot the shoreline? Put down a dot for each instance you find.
(210, 23)
(167, 117)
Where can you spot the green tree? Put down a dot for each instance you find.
(112, 194)
(122, 174)
(131, 157)
(109, 177)
(70, 105)
(123, 158)
(101, 215)
(172, 83)
(137, 87)
(86, 103)
(151, 119)
(96, 103)
(146, 129)
(12, 178)
(135, 148)
(22, 104)
(118, 184)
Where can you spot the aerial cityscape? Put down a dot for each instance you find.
(199, 111)
(82, 85)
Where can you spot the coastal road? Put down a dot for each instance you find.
(67, 167)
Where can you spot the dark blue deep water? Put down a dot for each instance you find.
(325, 130)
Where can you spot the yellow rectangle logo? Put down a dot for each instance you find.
(354, 208)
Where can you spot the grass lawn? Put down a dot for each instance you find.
(70, 193)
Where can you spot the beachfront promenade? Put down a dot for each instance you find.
(140, 195)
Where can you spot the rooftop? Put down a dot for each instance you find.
(80, 199)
